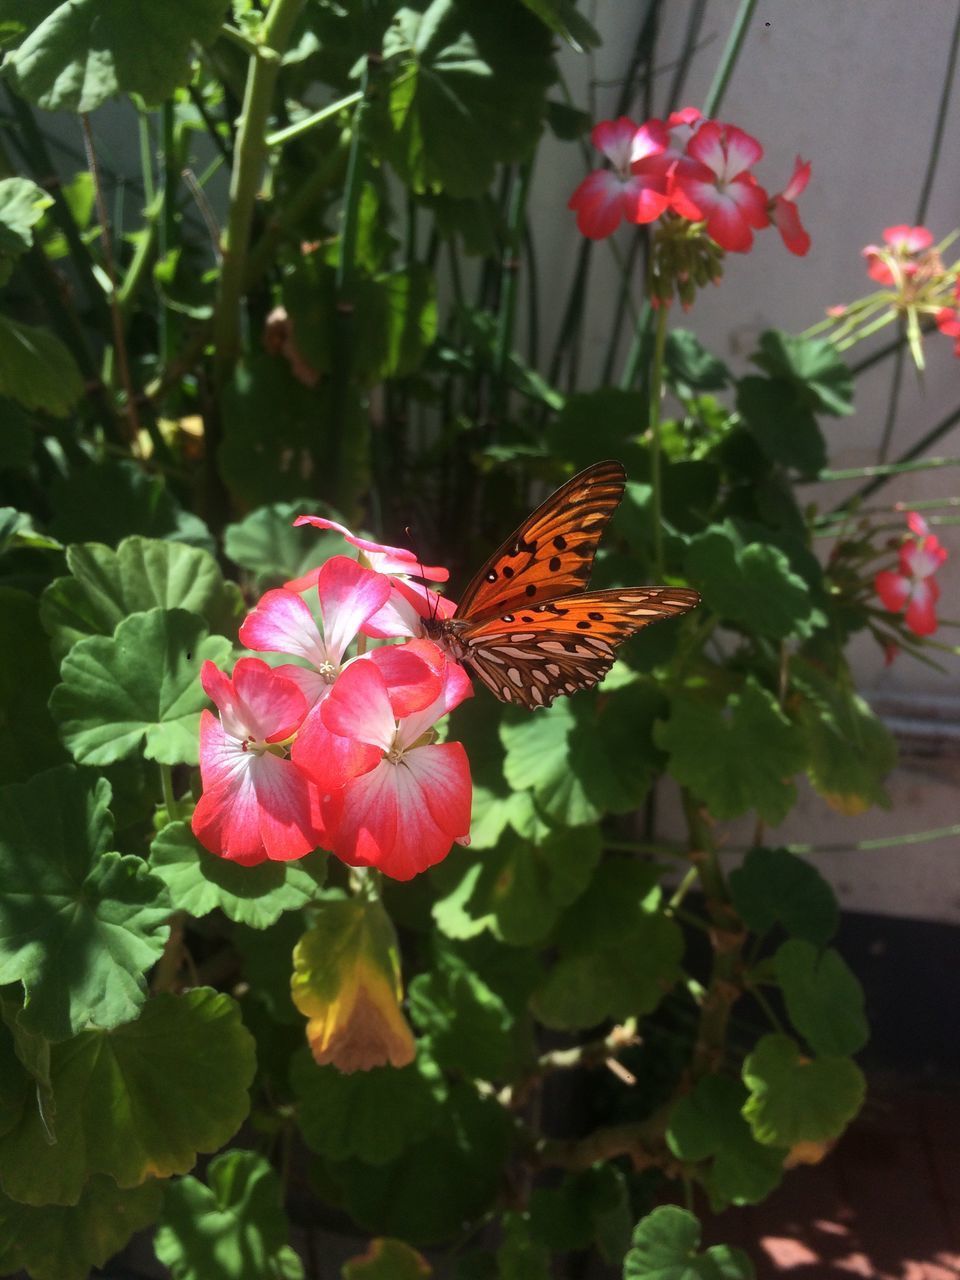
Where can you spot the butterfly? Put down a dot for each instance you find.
(527, 626)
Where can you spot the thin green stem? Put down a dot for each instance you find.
(879, 842)
(933, 161)
(887, 469)
(509, 281)
(656, 394)
(303, 126)
(728, 60)
(248, 162)
(170, 802)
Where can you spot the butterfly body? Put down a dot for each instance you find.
(526, 625)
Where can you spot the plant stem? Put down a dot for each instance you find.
(170, 802)
(942, 110)
(656, 393)
(510, 274)
(116, 315)
(250, 154)
(728, 60)
(878, 842)
(310, 122)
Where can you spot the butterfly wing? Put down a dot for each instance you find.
(532, 656)
(552, 551)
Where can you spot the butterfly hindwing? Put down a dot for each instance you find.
(552, 552)
(563, 645)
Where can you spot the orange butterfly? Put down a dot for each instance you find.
(526, 624)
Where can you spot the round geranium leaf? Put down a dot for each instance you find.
(137, 690)
(79, 925)
(139, 1101)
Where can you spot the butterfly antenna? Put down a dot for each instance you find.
(434, 607)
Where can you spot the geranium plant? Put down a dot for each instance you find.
(286, 876)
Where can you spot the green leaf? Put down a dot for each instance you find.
(16, 436)
(563, 18)
(736, 757)
(78, 926)
(84, 51)
(795, 1100)
(665, 1245)
(22, 204)
(371, 1115)
(521, 1256)
(626, 978)
(518, 888)
(591, 1206)
(470, 1026)
(436, 120)
(690, 367)
(106, 586)
(601, 424)
(782, 424)
(63, 1242)
(476, 222)
(107, 501)
(136, 1101)
(267, 545)
(387, 1260)
(750, 584)
(37, 370)
(276, 464)
(851, 751)
(813, 366)
(773, 887)
(437, 1185)
(198, 882)
(823, 998)
(138, 689)
(588, 758)
(708, 1125)
(233, 1229)
(28, 742)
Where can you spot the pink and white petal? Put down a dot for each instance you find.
(644, 198)
(792, 231)
(706, 146)
(615, 139)
(916, 524)
(908, 239)
(226, 823)
(743, 151)
(921, 615)
(390, 559)
(349, 595)
(361, 818)
(329, 759)
(456, 687)
(413, 672)
(686, 116)
(358, 706)
(727, 225)
(598, 204)
(877, 268)
(798, 179)
(273, 706)
(649, 140)
(219, 688)
(893, 589)
(948, 321)
(311, 683)
(222, 755)
(922, 559)
(408, 604)
(283, 623)
(442, 772)
(751, 199)
(304, 582)
(290, 820)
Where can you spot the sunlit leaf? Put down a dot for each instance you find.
(823, 998)
(795, 1100)
(665, 1247)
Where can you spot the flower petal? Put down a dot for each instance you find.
(598, 204)
(282, 622)
(349, 595)
(414, 674)
(389, 559)
(408, 603)
(358, 706)
(256, 702)
(615, 139)
(330, 759)
(787, 219)
(893, 589)
(921, 615)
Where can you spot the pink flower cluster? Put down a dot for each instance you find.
(331, 751)
(911, 588)
(697, 169)
(908, 263)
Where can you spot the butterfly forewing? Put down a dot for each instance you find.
(552, 552)
(563, 645)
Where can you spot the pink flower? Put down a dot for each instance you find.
(282, 622)
(718, 189)
(631, 189)
(256, 803)
(407, 798)
(784, 213)
(948, 321)
(903, 244)
(913, 589)
(407, 602)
